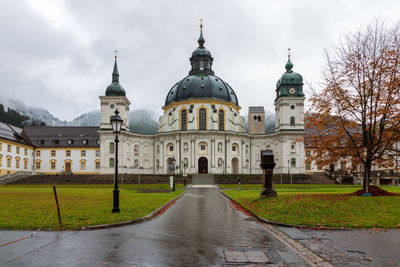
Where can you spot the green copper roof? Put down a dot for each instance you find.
(290, 84)
(115, 89)
(290, 77)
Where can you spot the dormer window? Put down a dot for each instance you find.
(84, 141)
(56, 142)
(70, 141)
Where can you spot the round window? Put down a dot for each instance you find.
(292, 107)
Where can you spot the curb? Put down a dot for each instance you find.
(322, 228)
(135, 221)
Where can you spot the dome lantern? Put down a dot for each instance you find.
(201, 82)
(201, 59)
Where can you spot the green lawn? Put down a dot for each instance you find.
(28, 206)
(323, 206)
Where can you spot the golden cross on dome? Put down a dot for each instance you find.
(201, 23)
(115, 52)
(289, 52)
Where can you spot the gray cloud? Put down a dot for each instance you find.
(60, 57)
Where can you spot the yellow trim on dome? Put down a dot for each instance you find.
(202, 101)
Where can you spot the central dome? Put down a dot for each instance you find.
(201, 86)
(201, 82)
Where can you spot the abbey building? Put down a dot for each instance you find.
(202, 130)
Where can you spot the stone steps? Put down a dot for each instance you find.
(203, 179)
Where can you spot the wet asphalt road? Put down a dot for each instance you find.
(194, 232)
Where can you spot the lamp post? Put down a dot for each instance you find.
(288, 172)
(116, 123)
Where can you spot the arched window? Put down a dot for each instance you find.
(221, 120)
(202, 119)
(111, 162)
(112, 147)
(235, 149)
(183, 120)
(292, 121)
(293, 162)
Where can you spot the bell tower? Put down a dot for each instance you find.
(289, 101)
(115, 98)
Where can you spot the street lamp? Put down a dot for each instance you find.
(116, 123)
(173, 173)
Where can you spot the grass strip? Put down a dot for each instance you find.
(319, 208)
(26, 207)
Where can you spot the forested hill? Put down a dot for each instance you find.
(15, 118)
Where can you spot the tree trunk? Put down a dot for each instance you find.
(367, 175)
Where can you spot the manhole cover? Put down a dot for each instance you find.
(251, 256)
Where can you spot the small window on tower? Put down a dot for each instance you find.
(292, 121)
(292, 107)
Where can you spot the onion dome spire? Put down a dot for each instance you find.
(115, 74)
(289, 64)
(291, 83)
(115, 89)
(201, 40)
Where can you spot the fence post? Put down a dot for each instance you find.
(58, 207)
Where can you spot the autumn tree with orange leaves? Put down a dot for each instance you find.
(357, 113)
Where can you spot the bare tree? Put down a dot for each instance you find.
(357, 113)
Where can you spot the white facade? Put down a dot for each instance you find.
(63, 160)
(15, 157)
(108, 104)
(229, 151)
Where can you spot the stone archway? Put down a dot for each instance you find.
(235, 166)
(203, 165)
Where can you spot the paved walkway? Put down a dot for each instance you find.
(201, 229)
(351, 247)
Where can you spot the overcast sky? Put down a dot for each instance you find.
(59, 54)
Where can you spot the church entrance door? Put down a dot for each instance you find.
(67, 166)
(235, 166)
(203, 165)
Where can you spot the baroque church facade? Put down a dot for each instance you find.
(202, 130)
